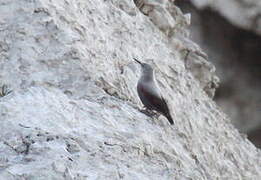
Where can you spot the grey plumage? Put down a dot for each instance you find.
(149, 93)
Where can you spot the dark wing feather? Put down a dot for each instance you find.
(153, 102)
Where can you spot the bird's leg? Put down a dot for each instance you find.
(148, 112)
(156, 114)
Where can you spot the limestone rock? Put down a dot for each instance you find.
(243, 13)
(235, 53)
(170, 20)
(73, 110)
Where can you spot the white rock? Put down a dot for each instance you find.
(73, 112)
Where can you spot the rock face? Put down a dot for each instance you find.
(73, 112)
(243, 13)
(236, 55)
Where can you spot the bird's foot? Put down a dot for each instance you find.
(149, 112)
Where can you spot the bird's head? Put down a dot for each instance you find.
(146, 68)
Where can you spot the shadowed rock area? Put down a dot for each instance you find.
(69, 108)
(236, 54)
(245, 14)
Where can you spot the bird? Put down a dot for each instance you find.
(149, 93)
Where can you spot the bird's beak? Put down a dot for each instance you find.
(137, 60)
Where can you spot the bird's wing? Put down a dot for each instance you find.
(151, 98)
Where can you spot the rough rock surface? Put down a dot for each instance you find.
(236, 55)
(170, 20)
(243, 13)
(73, 110)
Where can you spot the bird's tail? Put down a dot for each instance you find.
(168, 116)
